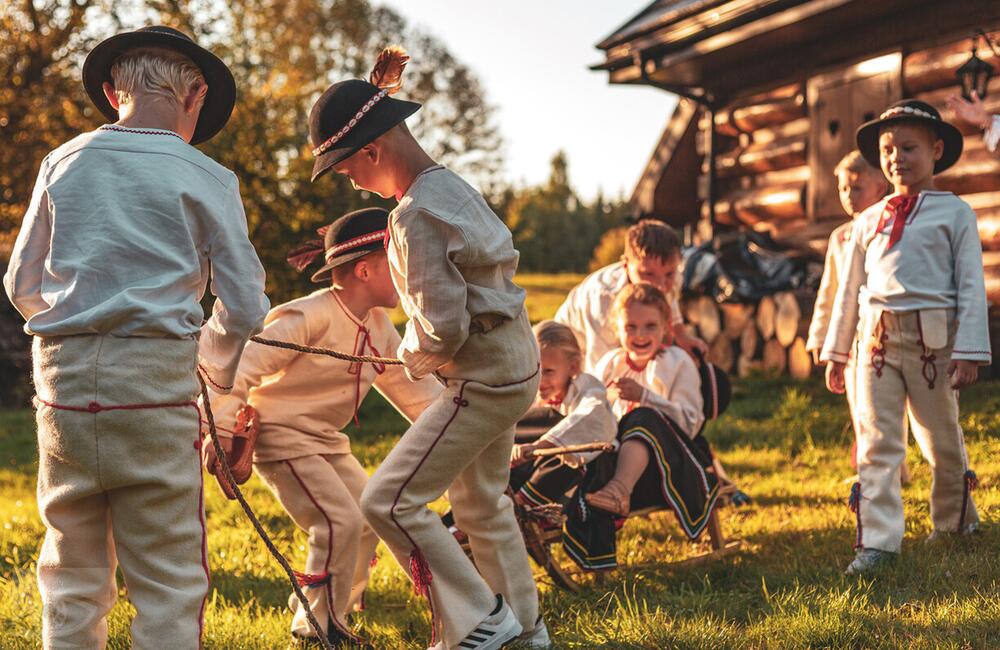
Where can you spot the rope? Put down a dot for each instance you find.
(389, 361)
(224, 463)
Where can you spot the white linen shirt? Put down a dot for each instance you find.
(671, 386)
(305, 400)
(836, 255)
(121, 232)
(587, 308)
(587, 418)
(937, 264)
(452, 259)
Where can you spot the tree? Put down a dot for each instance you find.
(283, 54)
(553, 229)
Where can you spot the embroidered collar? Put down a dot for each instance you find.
(134, 131)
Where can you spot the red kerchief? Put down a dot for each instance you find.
(897, 210)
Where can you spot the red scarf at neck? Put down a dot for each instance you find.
(897, 210)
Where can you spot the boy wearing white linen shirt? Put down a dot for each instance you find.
(108, 269)
(914, 295)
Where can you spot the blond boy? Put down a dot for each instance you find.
(108, 269)
(913, 296)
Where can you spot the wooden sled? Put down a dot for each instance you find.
(541, 527)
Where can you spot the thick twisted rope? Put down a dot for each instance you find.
(353, 358)
(224, 463)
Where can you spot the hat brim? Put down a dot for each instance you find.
(390, 113)
(868, 133)
(219, 100)
(325, 273)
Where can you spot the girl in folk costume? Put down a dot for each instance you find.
(304, 401)
(453, 262)
(108, 269)
(860, 186)
(655, 390)
(581, 399)
(913, 298)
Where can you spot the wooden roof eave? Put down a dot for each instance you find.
(690, 29)
(643, 196)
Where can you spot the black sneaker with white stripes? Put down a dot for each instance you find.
(497, 630)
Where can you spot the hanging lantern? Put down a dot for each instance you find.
(974, 74)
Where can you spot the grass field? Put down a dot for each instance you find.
(785, 442)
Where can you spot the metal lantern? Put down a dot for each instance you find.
(974, 74)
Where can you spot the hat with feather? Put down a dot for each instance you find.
(352, 113)
(350, 237)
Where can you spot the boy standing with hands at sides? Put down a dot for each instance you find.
(913, 297)
(453, 262)
(860, 186)
(652, 254)
(304, 401)
(108, 269)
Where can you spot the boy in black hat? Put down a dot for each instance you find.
(304, 401)
(110, 263)
(915, 268)
(453, 262)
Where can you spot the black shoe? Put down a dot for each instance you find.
(337, 638)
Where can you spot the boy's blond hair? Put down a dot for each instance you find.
(154, 71)
(551, 334)
(855, 162)
(642, 293)
(651, 238)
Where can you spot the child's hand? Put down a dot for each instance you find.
(210, 459)
(835, 377)
(963, 373)
(627, 390)
(973, 112)
(521, 454)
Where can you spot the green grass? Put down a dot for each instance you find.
(787, 443)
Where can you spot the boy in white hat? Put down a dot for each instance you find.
(913, 304)
(304, 401)
(108, 269)
(453, 262)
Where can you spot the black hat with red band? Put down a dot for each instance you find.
(351, 114)
(350, 237)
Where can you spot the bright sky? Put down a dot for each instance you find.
(532, 58)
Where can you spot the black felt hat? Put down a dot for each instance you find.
(352, 236)
(911, 110)
(351, 114)
(221, 95)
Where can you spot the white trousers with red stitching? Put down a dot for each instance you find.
(120, 488)
(462, 444)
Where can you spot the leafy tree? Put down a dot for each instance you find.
(283, 53)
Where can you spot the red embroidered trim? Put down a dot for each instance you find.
(329, 554)
(212, 381)
(112, 127)
(97, 407)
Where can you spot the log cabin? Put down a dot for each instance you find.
(770, 94)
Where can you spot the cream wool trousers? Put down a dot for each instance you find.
(119, 487)
(895, 375)
(321, 495)
(461, 444)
